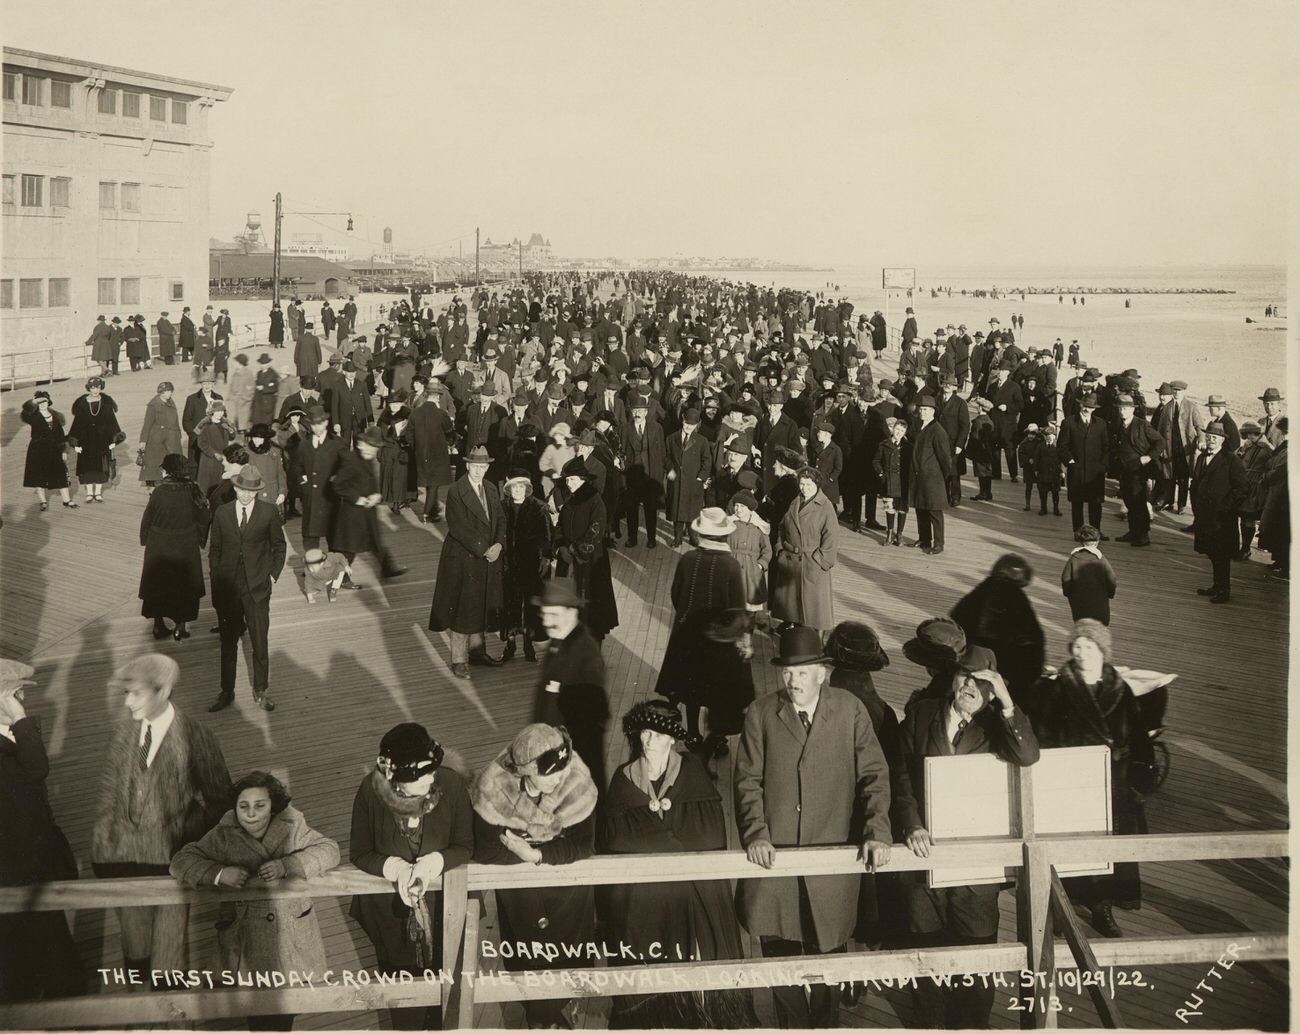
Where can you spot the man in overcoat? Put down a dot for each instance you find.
(850, 436)
(931, 468)
(318, 457)
(954, 418)
(1084, 448)
(808, 767)
(246, 554)
(307, 353)
(976, 716)
(1218, 491)
(166, 340)
(432, 434)
(1008, 400)
(187, 335)
(643, 460)
(350, 405)
(1140, 448)
(467, 596)
(689, 465)
(776, 431)
(806, 548)
(164, 784)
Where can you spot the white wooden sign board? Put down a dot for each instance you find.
(971, 795)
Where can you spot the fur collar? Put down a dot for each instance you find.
(267, 444)
(404, 807)
(499, 798)
(583, 494)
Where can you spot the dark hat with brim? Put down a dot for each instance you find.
(557, 593)
(174, 465)
(407, 753)
(317, 415)
(576, 467)
(371, 436)
(249, 479)
(798, 646)
(1272, 395)
(855, 645)
(658, 716)
(939, 643)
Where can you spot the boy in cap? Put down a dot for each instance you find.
(1047, 471)
(323, 572)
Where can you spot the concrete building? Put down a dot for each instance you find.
(106, 175)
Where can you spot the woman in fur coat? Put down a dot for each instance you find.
(262, 838)
(411, 822)
(535, 802)
(580, 544)
(267, 457)
(95, 433)
(214, 432)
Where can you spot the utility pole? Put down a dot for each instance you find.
(476, 277)
(521, 259)
(275, 261)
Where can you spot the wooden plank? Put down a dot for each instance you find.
(1081, 950)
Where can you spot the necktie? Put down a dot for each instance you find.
(144, 747)
(807, 722)
(1175, 414)
(243, 518)
(960, 726)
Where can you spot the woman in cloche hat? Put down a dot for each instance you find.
(411, 822)
(45, 468)
(580, 545)
(706, 663)
(663, 801)
(172, 530)
(94, 434)
(527, 558)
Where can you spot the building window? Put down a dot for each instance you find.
(60, 93)
(180, 112)
(107, 291)
(130, 197)
(158, 109)
(131, 105)
(11, 94)
(108, 102)
(107, 195)
(130, 290)
(60, 292)
(178, 290)
(31, 294)
(33, 191)
(60, 192)
(32, 89)
(6, 294)
(11, 190)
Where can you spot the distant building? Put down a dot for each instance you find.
(238, 275)
(106, 174)
(314, 244)
(536, 254)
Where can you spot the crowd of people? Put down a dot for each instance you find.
(760, 424)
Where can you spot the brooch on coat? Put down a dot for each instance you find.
(658, 805)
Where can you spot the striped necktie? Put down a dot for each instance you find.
(960, 726)
(144, 747)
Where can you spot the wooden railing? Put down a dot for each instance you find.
(459, 986)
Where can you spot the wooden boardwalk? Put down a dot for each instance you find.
(341, 675)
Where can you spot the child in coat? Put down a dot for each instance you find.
(1027, 453)
(1047, 470)
(1088, 581)
(323, 572)
(751, 545)
(891, 466)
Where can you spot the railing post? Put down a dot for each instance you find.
(469, 967)
(455, 901)
(1033, 905)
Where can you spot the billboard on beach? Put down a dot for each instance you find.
(898, 278)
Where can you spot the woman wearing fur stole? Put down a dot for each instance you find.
(411, 821)
(535, 802)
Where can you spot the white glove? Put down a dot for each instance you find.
(428, 867)
(398, 871)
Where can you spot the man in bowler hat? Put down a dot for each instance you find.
(246, 555)
(808, 764)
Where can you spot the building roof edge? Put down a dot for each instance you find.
(220, 93)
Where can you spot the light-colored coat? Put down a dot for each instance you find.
(272, 934)
(160, 434)
(801, 570)
(798, 789)
(240, 386)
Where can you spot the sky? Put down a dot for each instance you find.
(956, 133)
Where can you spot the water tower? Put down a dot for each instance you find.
(252, 239)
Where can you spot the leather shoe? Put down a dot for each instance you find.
(874, 526)
(1189, 530)
(1143, 541)
(1126, 537)
(1104, 538)
(1220, 597)
(264, 702)
(935, 550)
(461, 671)
(483, 659)
(395, 571)
(509, 651)
(630, 543)
(651, 544)
(221, 703)
(161, 631)
(1207, 592)
(1103, 921)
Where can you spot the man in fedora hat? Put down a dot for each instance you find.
(1274, 409)
(1218, 492)
(931, 468)
(1084, 449)
(571, 685)
(975, 716)
(480, 425)
(689, 467)
(350, 410)
(246, 555)
(356, 527)
(809, 770)
(1008, 400)
(1218, 407)
(643, 463)
(467, 596)
(1140, 450)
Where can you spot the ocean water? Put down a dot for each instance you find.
(1203, 339)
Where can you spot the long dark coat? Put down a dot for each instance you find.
(697, 918)
(376, 837)
(893, 468)
(266, 390)
(1218, 490)
(307, 355)
(356, 528)
(276, 334)
(160, 435)
(431, 430)
(467, 596)
(528, 549)
(318, 466)
(172, 530)
(580, 541)
(826, 786)
(701, 665)
(1006, 423)
(45, 467)
(997, 614)
(981, 446)
(95, 430)
(1275, 521)
(580, 703)
(166, 339)
(1085, 454)
(931, 466)
(691, 466)
(187, 334)
(1068, 713)
(801, 568)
